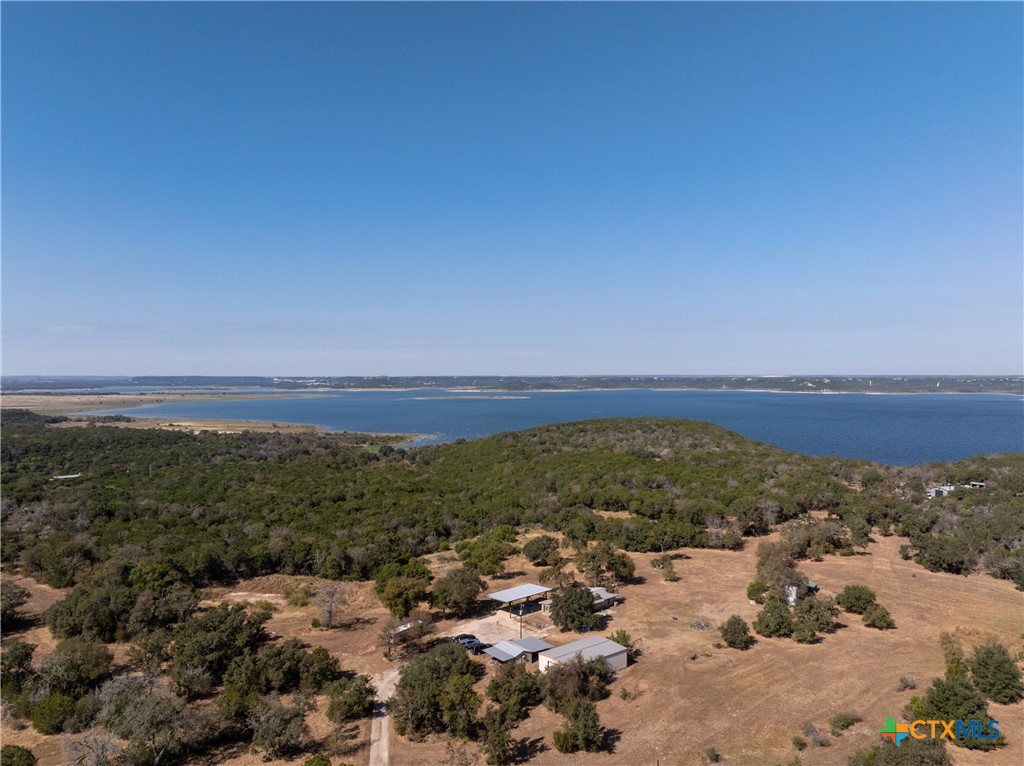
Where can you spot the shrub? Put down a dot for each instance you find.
(16, 755)
(701, 623)
(48, 715)
(842, 721)
(774, 620)
(911, 752)
(905, 682)
(317, 760)
(856, 598)
(736, 633)
(349, 699)
(711, 755)
(814, 736)
(298, 595)
(953, 654)
(622, 638)
(996, 674)
(804, 634)
(877, 616)
(756, 591)
(799, 743)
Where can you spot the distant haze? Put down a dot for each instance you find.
(512, 189)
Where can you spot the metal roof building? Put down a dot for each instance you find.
(587, 648)
(521, 649)
(518, 593)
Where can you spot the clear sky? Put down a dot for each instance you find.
(350, 189)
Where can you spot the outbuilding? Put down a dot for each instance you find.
(615, 655)
(524, 650)
(520, 594)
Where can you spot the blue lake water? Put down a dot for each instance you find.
(901, 429)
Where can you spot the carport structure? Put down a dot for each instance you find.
(521, 594)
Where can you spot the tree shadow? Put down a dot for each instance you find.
(355, 622)
(610, 740)
(509, 575)
(527, 749)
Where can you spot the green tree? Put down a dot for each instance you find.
(953, 654)
(996, 674)
(205, 646)
(541, 551)
(49, 714)
(774, 620)
(459, 704)
(515, 689)
(148, 716)
(817, 614)
(573, 609)
(856, 599)
(416, 706)
(458, 590)
(16, 755)
(12, 598)
(76, 665)
(350, 699)
(583, 731)
(575, 680)
(402, 594)
(16, 667)
(877, 616)
(496, 737)
(279, 729)
(956, 699)
(736, 633)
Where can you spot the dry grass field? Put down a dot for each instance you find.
(685, 693)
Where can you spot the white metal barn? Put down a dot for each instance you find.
(612, 653)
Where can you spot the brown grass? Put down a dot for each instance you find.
(686, 694)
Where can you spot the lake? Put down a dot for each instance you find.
(901, 429)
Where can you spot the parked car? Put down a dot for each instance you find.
(463, 638)
(476, 646)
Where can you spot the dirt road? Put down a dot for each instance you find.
(380, 728)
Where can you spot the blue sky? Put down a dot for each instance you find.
(348, 189)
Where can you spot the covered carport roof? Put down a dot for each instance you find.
(518, 593)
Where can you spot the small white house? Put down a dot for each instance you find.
(603, 598)
(613, 654)
(945, 489)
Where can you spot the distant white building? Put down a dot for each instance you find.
(945, 489)
(615, 655)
